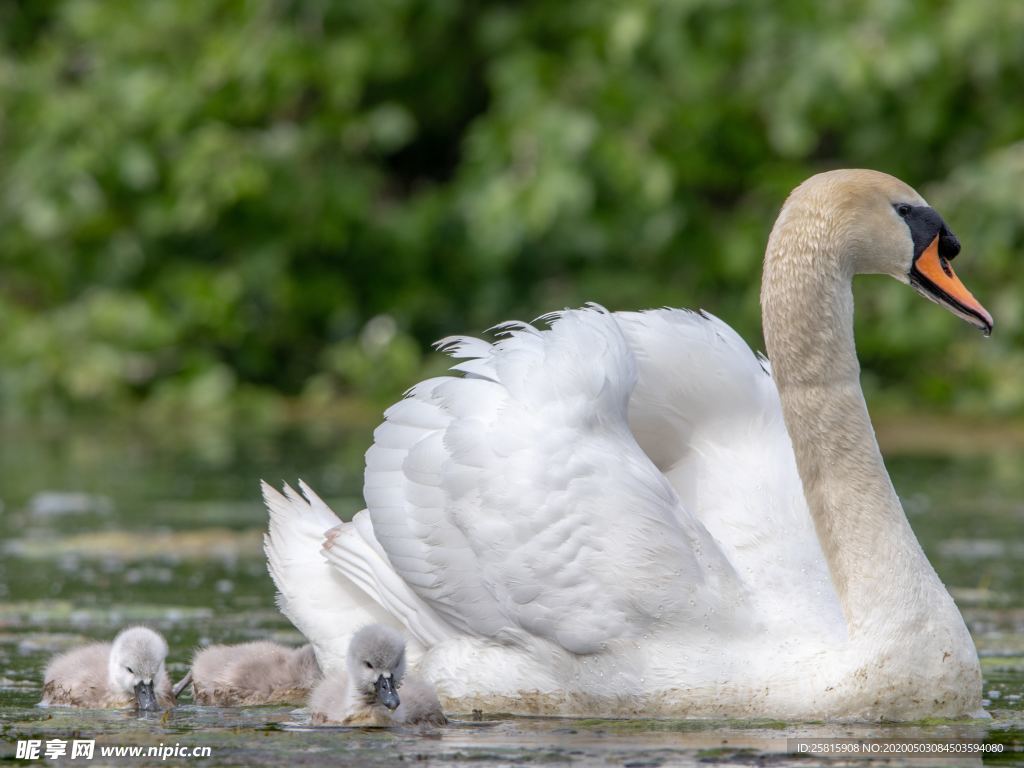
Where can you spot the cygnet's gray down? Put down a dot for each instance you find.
(373, 689)
(129, 672)
(259, 672)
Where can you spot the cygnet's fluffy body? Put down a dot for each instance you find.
(259, 672)
(420, 705)
(373, 689)
(129, 672)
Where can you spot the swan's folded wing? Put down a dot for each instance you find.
(695, 378)
(516, 501)
(322, 604)
(707, 412)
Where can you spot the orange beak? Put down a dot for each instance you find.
(934, 278)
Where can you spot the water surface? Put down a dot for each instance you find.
(101, 528)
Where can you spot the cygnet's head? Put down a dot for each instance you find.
(136, 660)
(376, 664)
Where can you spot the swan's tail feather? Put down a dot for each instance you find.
(353, 550)
(294, 532)
(322, 604)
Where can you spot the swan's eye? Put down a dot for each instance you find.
(903, 209)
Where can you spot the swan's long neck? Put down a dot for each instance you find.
(878, 568)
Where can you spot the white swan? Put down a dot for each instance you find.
(373, 689)
(129, 672)
(258, 672)
(632, 513)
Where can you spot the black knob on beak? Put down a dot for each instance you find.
(949, 244)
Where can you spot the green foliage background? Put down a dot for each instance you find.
(212, 202)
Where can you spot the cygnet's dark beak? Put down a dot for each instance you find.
(386, 693)
(145, 698)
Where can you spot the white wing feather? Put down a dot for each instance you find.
(516, 501)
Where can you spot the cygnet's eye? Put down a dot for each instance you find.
(369, 665)
(130, 672)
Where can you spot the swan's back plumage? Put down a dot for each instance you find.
(707, 412)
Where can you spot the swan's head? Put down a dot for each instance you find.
(136, 661)
(885, 227)
(376, 664)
